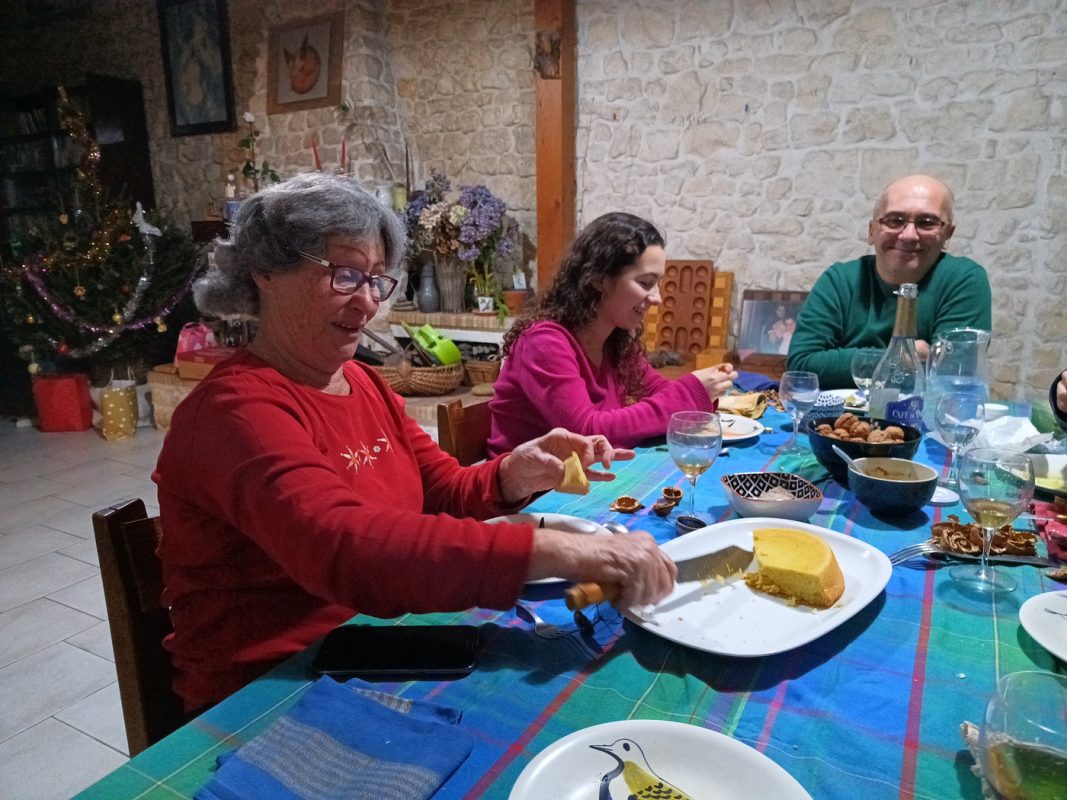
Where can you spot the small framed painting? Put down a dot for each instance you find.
(195, 40)
(768, 321)
(304, 63)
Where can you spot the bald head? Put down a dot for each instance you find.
(912, 220)
(915, 185)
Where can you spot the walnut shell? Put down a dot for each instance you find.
(877, 436)
(672, 494)
(894, 433)
(845, 421)
(840, 433)
(627, 504)
(824, 429)
(860, 429)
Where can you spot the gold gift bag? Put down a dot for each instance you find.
(118, 405)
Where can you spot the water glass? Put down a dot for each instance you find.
(864, 362)
(958, 418)
(1023, 741)
(798, 392)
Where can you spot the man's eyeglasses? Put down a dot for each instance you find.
(348, 280)
(924, 223)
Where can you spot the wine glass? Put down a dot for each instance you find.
(995, 488)
(864, 361)
(1022, 746)
(798, 392)
(958, 417)
(694, 439)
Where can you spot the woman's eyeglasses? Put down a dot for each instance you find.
(924, 223)
(348, 280)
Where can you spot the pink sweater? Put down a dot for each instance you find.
(547, 382)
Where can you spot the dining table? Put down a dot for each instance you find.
(870, 709)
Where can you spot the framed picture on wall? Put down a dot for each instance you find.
(768, 320)
(304, 63)
(195, 40)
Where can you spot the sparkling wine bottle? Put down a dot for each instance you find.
(899, 380)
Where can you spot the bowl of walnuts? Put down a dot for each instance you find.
(859, 437)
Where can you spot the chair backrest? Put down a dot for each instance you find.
(463, 431)
(126, 541)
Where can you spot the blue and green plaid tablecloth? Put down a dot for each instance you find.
(870, 710)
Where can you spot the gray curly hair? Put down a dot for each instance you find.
(300, 213)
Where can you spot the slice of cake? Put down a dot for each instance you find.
(796, 565)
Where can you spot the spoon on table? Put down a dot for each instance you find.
(615, 527)
(843, 455)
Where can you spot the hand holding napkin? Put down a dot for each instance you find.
(345, 741)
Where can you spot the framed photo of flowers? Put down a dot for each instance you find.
(195, 39)
(304, 63)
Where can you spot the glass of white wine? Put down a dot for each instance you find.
(694, 439)
(1023, 741)
(958, 418)
(995, 488)
(798, 392)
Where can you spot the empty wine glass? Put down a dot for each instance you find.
(1023, 741)
(864, 361)
(995, 488)
(798, 392)
(694, 439)
(958, 418)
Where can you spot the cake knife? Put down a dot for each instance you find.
(716, 565)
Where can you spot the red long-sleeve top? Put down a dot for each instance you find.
(286, 511)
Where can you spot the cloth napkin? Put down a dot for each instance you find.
(753, 381)
(750, 404)
(345, 741)
(1010, 434)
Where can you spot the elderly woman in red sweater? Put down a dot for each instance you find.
(576, 360)
(295, 492)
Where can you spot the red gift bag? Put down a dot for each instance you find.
(63, 402)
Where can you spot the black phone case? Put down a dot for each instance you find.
(398, 652)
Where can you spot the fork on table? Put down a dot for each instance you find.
(929, 548)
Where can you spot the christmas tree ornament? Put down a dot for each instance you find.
(79, 292)
(30, 319)
(116, 317)
(33, 368)
(63, 348)
(161, 326)
(63, 218)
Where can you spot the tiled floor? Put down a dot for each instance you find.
(61, 723)
(60, 717)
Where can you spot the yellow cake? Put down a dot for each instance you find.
(796, 565)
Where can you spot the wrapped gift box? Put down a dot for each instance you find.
(196, 364)
(63, 402)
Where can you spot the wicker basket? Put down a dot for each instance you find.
(422, 381)
(481, 372)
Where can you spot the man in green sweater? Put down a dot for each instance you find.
(852, 304)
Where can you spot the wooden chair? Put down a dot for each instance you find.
(463, 431)
(126, 540)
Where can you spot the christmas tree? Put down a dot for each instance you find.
(101, 288)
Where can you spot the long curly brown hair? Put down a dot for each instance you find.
(607, 246)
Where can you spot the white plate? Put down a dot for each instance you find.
(732, 619)
(560, 522)
(736, 428)
(845, 394)
(691, 758)
(1050, 471)
(1048, 630)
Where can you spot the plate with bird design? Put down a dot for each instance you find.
(652, 758)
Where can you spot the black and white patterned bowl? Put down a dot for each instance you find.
(745, 492)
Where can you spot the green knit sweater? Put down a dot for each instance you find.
(850, 307)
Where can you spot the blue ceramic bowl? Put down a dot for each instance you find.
(891, 486)
(821, 446)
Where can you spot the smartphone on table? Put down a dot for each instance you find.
(397, 652)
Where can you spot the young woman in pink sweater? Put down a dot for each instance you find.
(576, 361)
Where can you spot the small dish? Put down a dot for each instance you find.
(746, 492)
(891, 486)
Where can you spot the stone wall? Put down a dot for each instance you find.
(756, 134)
(759, 135)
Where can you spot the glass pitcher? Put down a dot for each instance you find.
(957, 363)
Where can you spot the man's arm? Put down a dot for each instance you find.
(816, 344)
